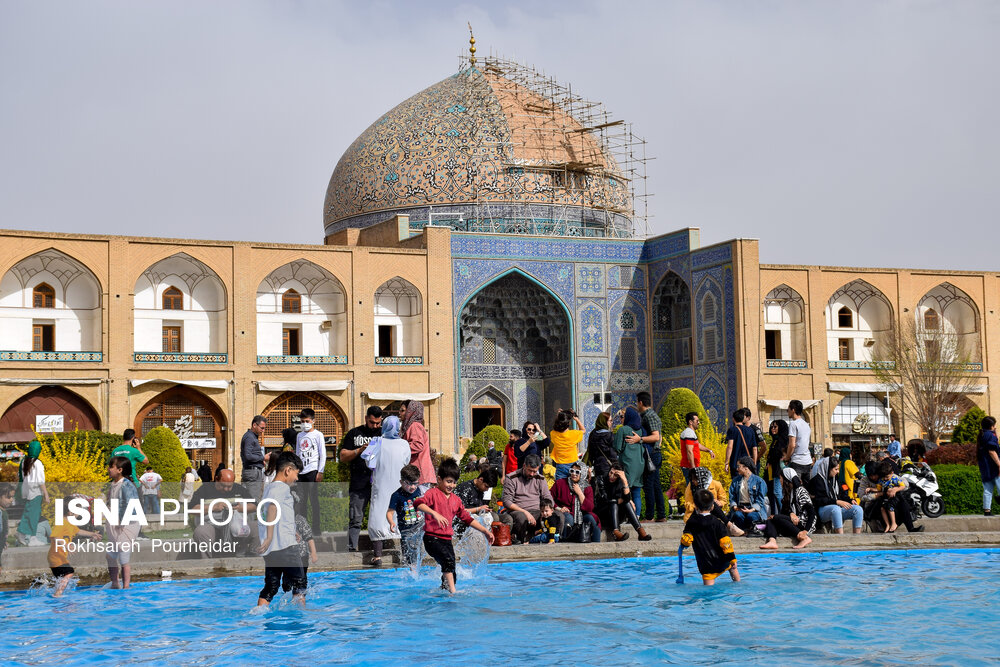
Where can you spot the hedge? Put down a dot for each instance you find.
(165, 453)
(497, 434)
(953, 453)
(961, 488)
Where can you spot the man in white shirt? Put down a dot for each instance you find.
(150, 483)
(799, 436)
(311, 449)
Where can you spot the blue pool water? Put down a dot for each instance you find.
(891, 608)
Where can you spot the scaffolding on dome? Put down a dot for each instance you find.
(607, 156)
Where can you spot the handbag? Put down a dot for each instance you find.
(578, 532)
(647, 460)
(501, 534)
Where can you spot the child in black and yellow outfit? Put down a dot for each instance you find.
(708, 536)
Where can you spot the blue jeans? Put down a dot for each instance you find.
(990, 488)
(562, 470)
(595, 530)
(150, 503)
(651, 488)
(836, 515)
(540, 538)
(775, 495)
(744, 521)
(636, 493)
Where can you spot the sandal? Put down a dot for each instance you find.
(376, 562)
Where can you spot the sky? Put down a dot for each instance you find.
(846, 133)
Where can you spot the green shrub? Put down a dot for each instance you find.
(336, 470)
(961, 488)
(968, 427)
(679, 402)
(497, 434)
(163, 449)
(333, 513)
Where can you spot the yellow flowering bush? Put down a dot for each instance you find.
(74, 463)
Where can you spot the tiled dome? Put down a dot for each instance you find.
(475, 150)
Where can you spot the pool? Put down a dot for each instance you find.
(894, 607)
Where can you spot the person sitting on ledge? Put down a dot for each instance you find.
(619, 504)
(747, 497)
(834, 503)
(235, 531)
(574, 499)
(798, 518)
(523, 492)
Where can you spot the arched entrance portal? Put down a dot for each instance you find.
(283, 412)
(194, 417)
(59, 410)
(514, 338)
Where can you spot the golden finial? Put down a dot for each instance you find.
(472, 47)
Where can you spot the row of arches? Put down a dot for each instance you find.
(857, 314)
(196, 418)
(50, 302)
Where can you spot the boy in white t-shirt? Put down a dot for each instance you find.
(149, 485)
(310, 447)
(277, 541)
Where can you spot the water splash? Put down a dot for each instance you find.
(472, 550)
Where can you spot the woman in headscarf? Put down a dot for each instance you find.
(385, 455)
(772, 468)
(798, 519)
(574, 497)
(832, 501)
(630, 454)
(599, 448)
(412, 415)
(31, 475)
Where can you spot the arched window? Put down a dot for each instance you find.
(845, 318)
(931, 320)
(708, 309)
(43, 296)
(173, 299)
(291, 302)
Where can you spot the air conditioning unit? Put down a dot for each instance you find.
(326, 325)
(869, 342)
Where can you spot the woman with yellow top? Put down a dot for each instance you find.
(565, 442)
(848, 476)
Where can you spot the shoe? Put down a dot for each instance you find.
(661, 519)
(620, 536)
(734, 531)
(643, 535)
(917, 529)
(376, 562)
(650, 520)
(985, 513)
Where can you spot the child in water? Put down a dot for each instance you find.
(707, 535)
(59, 553)
(440, 507)
(7, 492)
(402, 511)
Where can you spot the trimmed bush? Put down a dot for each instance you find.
(953, 454)
(679, 402)
(336, 470)
(163, 449)
(968, 427)
(497, 434)
(961, 488)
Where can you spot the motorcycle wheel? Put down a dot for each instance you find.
(934, 507)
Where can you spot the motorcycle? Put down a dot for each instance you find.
(922, 490)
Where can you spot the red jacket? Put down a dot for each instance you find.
(510, 460)
(447, 506)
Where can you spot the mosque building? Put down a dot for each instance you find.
(484, 252)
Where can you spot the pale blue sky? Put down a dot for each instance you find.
(849, 133)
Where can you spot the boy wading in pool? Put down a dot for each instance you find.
(277, 540)
(440, 506)
(708, 536)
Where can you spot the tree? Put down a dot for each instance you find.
(967, 429)
(679, 402)
(929, 369)
(480, 443)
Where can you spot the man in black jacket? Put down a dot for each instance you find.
(252, 457)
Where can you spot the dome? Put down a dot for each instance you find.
(481, 152)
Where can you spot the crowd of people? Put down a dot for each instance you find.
(555, 487)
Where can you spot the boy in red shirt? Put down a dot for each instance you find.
(440, 507)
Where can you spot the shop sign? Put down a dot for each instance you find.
(48, 423)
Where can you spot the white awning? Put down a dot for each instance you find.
(44, 381)
(377, 396)
(875, 388)
(203, 384)
(783, 403)
(303, 385)
(862, 387)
